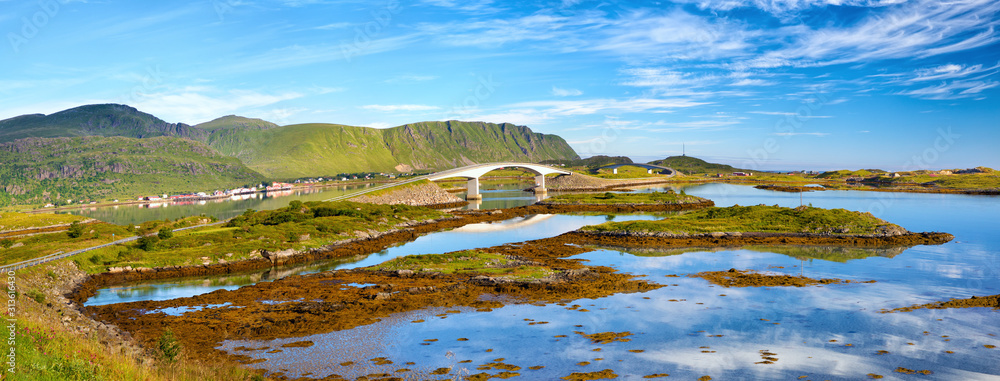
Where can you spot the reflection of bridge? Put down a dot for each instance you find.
(474, 172)
(505, 225)
(649, 168)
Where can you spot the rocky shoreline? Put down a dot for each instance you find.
(421, 194)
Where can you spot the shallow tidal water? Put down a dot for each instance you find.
(691, 328)
(466, 237)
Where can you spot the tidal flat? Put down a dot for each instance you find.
(678, 325)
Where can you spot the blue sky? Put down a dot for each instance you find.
(765, 84)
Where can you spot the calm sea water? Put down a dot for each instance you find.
(220, 208)
(690, 328)
(495, 196)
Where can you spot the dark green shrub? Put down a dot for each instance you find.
(165, 233)
(148, 243)
(169, 347)
(75, 229)
(37, 296)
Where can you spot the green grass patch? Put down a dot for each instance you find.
(19, 221)
(25, 248)
(610, 198)
(844, 173)
(469, 262)
(626, 172)
(299, 226)
(766, 219)
(972, 181)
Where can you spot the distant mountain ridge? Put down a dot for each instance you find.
(306, 150)
(95, 120)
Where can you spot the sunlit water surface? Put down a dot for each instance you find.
(690, 328)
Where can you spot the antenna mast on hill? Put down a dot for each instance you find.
(683, 150)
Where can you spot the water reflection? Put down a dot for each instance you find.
(221, 208)
(826, 253)
(467, 237)
(688, 329)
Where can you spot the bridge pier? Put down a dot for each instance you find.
(472, 189)
(540, 184)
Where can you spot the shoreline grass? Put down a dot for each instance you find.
(763, 219)
(299, 226)
(469, 262)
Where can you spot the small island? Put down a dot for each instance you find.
(761, 224)
(627, 202)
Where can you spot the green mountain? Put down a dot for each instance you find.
(236, 122)
(43, 170)
(692, 165)
(305, 150)
(443, 145)
(94, 120)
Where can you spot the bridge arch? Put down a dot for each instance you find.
(649, 168)
(475, 171)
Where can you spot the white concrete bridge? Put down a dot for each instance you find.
(473, 172)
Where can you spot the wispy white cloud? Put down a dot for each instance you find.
(196, 104)
(914, 29)
(955, 81)
(698, 124)
(336, 25)
(594, 106)
(820, 134)
(397, 108)
(410, 78)
(952, 90)
(471, 6)
(784, 6)
(378, 125)
(673, 36)
(524, 117)
(561, 92)
(793, 114)
(299, 55)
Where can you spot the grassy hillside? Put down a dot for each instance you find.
(692, 165)
(42, 170)
(328, 149)
(439, 145)
(10, 221)
(236, 122)
(303, 150)
(94, 120)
